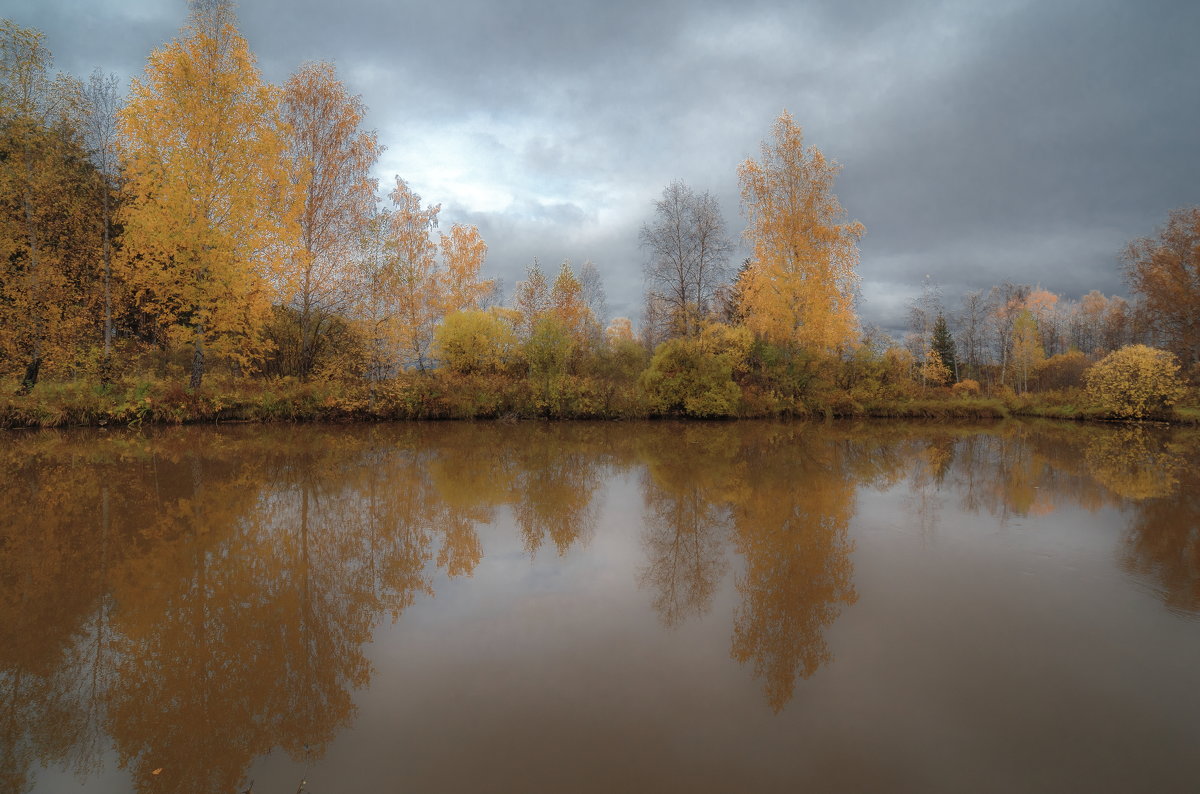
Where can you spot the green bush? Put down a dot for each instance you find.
(686, 378)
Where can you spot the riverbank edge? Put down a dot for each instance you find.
(135, 403)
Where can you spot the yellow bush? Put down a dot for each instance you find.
(685, 377)
(474, 342)
(1135, 381)
(934, 371)
(732, 343)
(966, 387)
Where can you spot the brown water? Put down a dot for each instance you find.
(600, 607)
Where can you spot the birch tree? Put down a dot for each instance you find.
(331, 157)
(689, 252)
(209, 227)
(100, 131)
(800, 287)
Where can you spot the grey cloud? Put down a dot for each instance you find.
(980, 142)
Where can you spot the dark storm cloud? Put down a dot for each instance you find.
(980, 142)
(1066, 130)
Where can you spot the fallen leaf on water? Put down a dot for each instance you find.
(157, 771)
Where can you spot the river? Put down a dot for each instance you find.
(601, 607)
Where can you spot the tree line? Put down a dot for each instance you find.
(210, 219)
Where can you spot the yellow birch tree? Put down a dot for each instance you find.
(210, 221)
(407, 288)
(463, 253)
(800, 285)
(568, 306)
(331, 160)
(532, 299)
(1027, 350)
(415, 289)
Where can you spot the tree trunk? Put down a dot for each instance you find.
(106, 359)
(31, 374)
(35, 361)
(198, 359)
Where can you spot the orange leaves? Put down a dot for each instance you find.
(1165, 271)
(800, 285)
(48, 251)
(408, 290)
(619, 330)
(564, 301)
(463, 252)
(210, 220)
(567, 304)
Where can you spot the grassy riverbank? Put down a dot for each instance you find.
(442, 395)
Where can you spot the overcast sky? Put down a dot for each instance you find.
(980, 141)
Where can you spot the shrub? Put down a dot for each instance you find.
(1135, 381)
(1062, 371)
(685, 377)
(966, 388)
(474, 342)
(549, 348)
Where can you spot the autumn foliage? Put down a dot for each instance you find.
(1165, 271)
(1135, 381)
(800, 285)
(211, 219)
(212, 225)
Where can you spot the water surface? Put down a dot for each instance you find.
(600, 607)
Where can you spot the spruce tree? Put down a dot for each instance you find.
(943, 344)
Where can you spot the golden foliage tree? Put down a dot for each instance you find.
(331, 158)
(463, 253)
(568, 306)
(532, 299)
(412, 256)
(800, 286)
(1135, 381)
(1165, 271)
(405, 288)
(210, 222)
(1027, 350)
(619, 330)
(934, 371)
(47, 254)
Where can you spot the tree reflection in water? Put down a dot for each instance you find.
(687, 490)
(197, 598)
(1162, 480)
(791, 526)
